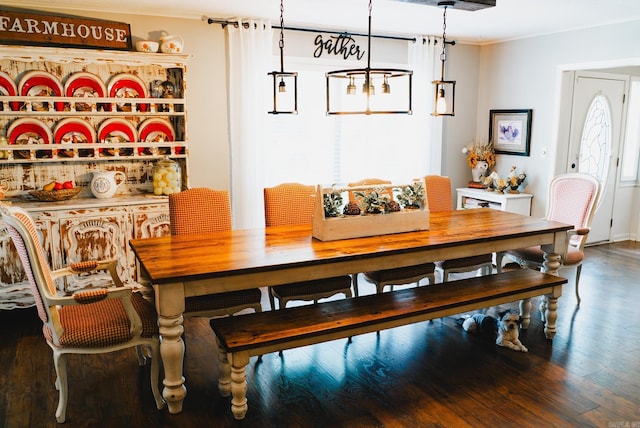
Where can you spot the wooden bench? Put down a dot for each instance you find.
(243, 336)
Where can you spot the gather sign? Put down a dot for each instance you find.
(31, 28)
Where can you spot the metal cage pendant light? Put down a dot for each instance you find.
(444, 90)
(285, 84)
(344, 96)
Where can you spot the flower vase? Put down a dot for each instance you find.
(477, 172)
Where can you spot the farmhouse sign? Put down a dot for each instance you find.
(30, 28)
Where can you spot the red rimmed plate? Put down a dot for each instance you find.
(85, 85)
(117, 130)
(126, 85)
(26, 131)
(8, 88)
(38, 83)
(155, 130)
(71, 131)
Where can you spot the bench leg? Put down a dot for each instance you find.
(525, 313)
(224, 371)
(550, 316)
(239, 362)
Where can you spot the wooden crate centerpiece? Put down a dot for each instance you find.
(383, 209)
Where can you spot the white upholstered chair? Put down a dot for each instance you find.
(96, 321)
(573, 199)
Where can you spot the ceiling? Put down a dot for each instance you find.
(510, 19)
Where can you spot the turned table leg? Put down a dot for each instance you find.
(549, 303)
(170, 307)
(224, 371)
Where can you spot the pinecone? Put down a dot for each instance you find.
(351, 209)
(394, 206)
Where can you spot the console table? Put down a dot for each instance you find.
(519, 203)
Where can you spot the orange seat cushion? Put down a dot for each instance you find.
(227, 299)
(400, 274)
(103, 323)
(317, 286)
(464, 261)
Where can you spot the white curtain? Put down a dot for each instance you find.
(424, 61)
(250, 59)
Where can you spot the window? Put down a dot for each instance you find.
(595, 146)
(314, 148)
(631, 149)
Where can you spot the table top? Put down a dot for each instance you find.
(258, 251)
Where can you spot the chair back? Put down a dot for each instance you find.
(289, 204)
(369, 182)
(199, 210)
(438, 193)
(26, 239)
(573, 199)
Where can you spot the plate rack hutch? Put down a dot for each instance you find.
(142, 130)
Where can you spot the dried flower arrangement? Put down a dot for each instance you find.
(477, 152)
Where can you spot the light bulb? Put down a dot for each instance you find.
(282, 87)
(368, 88)
(351, 87)
(441, 102)
(386, 88)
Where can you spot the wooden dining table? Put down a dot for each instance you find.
(191, 265)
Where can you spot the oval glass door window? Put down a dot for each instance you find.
(595, 145)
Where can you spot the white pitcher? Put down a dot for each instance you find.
(171, 44)
(104, 185)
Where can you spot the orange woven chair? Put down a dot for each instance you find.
(203, 210)
(291, 204)
(440, 200)
(88, 322)
(391, 277)
(573, 199)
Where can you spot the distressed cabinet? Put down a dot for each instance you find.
(83, 230)
(115, 133)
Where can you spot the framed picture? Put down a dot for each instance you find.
(510, 131)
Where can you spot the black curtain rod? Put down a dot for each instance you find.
(224, 23)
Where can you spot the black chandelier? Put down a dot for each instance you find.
(445, 90)
(363, 103)
(284, 102)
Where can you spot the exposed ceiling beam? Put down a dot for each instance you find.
(458, 4)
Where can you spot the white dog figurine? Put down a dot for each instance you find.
(505, 330)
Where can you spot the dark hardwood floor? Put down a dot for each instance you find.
(428, 374)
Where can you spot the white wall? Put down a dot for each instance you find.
(207, 123)
(463, 63)
(527, 74)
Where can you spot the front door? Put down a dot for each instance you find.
(594, 139)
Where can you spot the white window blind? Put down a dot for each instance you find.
(314, 148)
